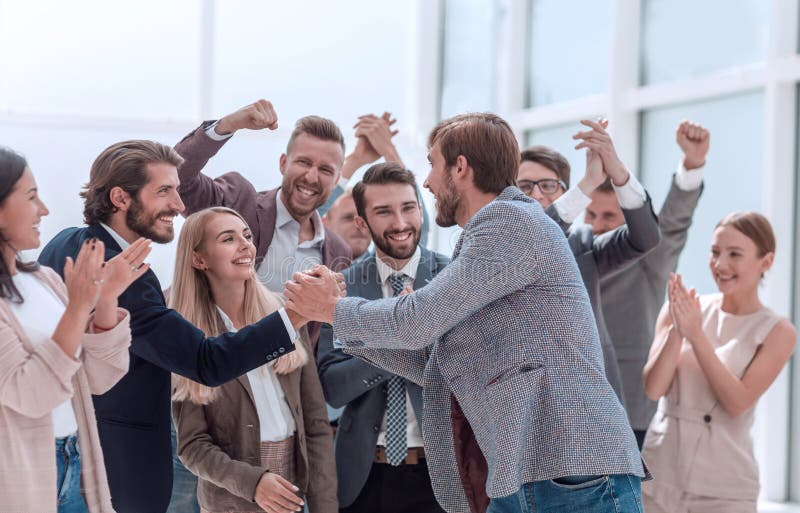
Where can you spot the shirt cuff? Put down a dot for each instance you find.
(688, 180)
(571, 204)
(289, 328)
(214, 135)
(631, 195)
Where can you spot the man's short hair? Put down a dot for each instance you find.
(549, 158)
(606, 187)
(486, 141)
(316, 126)
(381, 174)
(124, 165)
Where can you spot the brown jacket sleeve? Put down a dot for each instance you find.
(321, 493)
(199, 191)
(205, 459)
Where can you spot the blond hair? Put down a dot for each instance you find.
(191, 296)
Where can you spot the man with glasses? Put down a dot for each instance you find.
(544, 176)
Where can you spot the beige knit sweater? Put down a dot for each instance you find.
(33, 381)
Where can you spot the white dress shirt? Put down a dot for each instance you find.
(570, 205)
(286, 255)
(275, 418)
(413, 435)
(123, 245)
(39, 315)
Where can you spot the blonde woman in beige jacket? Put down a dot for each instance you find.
(60, 342)
(261, 442)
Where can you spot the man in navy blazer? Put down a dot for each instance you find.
(388, 207)
(132, 193)
(503, 341)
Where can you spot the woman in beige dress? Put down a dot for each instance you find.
(712, 357)
(262, 441)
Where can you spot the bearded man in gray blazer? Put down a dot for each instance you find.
(503, 342)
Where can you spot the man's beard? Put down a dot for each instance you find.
(142, 224)
(289, 191)
(448, 200)
(382, 242)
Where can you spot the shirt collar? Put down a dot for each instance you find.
(123, 244)
(410, 269)
(283, 217)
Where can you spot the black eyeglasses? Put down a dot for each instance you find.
(548, 186)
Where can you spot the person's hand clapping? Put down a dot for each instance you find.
(84, 276)
(684, 307)
(315, 293)
(599, 140)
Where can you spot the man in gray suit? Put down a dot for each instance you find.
(544, 175)
(633, 297)
(380, 459)
(503, 342)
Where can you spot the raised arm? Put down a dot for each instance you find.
(199, 191)
(675, 217)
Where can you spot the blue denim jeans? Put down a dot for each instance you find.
(184, 485)
(618, 493)
(68, 484)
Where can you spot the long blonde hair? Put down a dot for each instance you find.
(191, 296)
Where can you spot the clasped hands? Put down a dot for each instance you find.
(313, 294)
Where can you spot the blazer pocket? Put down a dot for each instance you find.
(512, 373)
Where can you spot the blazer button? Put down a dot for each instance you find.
(376, 428)
(707, 418)
(281, 350)
(275, 354)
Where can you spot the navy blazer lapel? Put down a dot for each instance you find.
(96, 230)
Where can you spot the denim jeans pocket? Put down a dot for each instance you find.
(579, 482)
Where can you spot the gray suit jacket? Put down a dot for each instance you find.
(360, 387)
(633, 297)
(514, 357)
(602, 255)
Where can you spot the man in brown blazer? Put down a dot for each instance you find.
(288, 233)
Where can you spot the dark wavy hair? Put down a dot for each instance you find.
(12, 165)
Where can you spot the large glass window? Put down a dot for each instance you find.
(683, 38)
(559, 137)
(569, 49)
(472, 54)
(732, 175)
(313, 58)
(98, 58)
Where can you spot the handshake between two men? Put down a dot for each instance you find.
(313, 294)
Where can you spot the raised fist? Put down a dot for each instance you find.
(256, 116)
(694, 140)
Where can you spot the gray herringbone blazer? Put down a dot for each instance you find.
(632, 298)
(506, 335)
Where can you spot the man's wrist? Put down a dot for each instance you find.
(691, 165)
(223, 127)
(587, 185)
(391, 155)
(620, 176)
